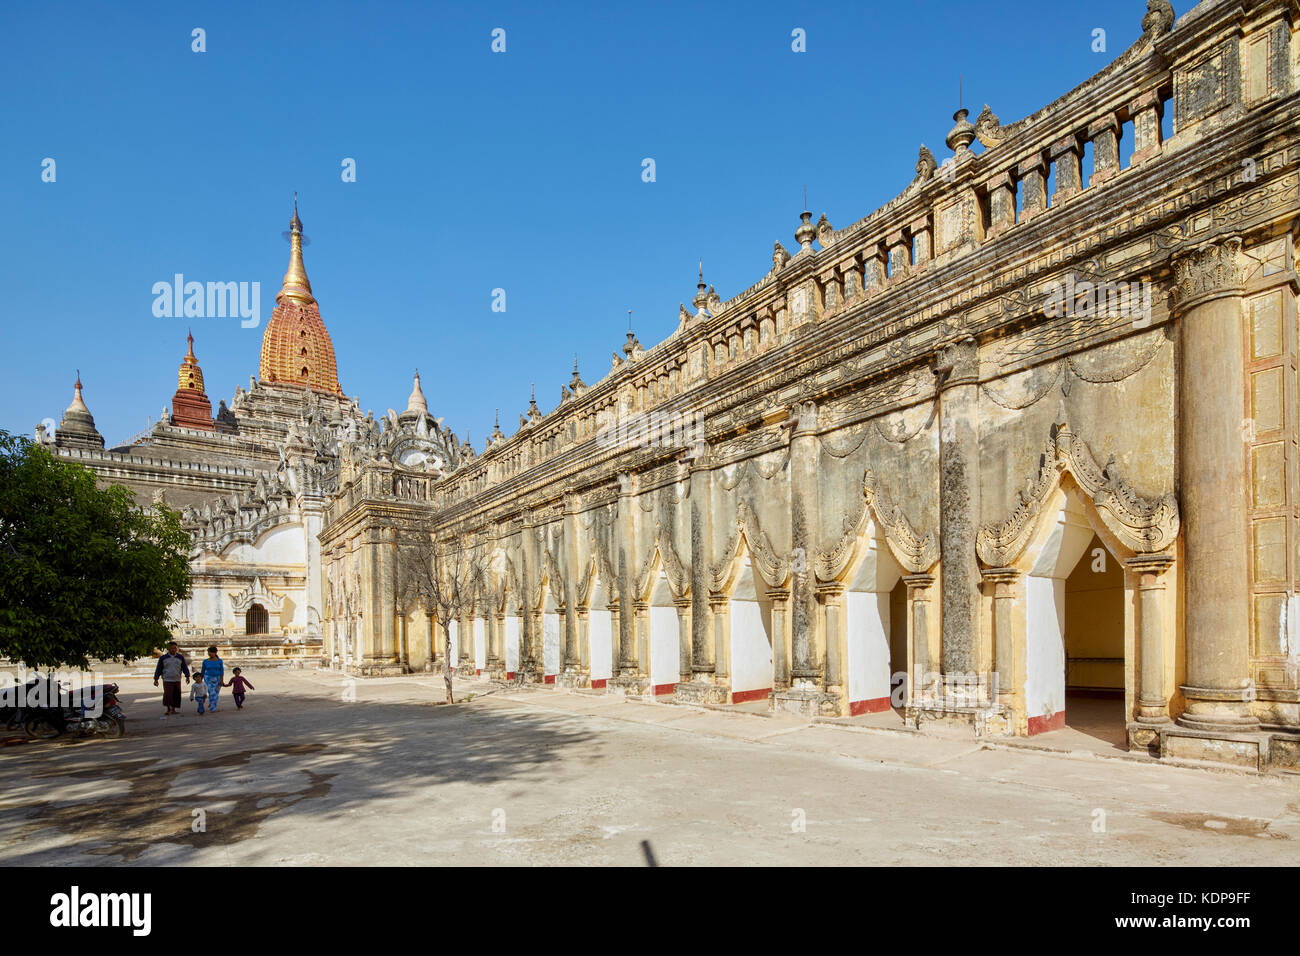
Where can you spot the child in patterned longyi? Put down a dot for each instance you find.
(237, 685)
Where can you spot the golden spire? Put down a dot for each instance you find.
(190, 375)
(295, 284)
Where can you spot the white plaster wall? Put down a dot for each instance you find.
(480, 643)
(600, 640)
(751, 647)
(1045, 650)
(513, 630)
(551, 643)
(1060, 551)
(285, 544)
(866, 628)
(210, 607)
(455, 642)
(665, 646)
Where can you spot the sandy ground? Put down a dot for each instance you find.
(304, 776)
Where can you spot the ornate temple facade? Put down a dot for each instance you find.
(1024, 434)
(253, 481)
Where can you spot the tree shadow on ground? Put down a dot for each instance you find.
(318, 755)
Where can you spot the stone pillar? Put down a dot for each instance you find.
(780, 598)
(805, 448)
(832, 601)
(1004, 586)
(1152, 703)
(873, 270)
(1104, 135)
(959, 504)
(900, 254)
(584, 639)
(530, 662)
(387, 650)
(497, 661)
(831, 289)
(718, 605)
(572, 653)
(627, 622)
(641, 628)
(1002, 204)
(851, 278)
(1213, 486)
(403, 653)
(922, 243)
(1033, 187)
(918, 600)
(1146, 112)
(1069, 172)
(703, 657)
(428, 638)
(683, 606)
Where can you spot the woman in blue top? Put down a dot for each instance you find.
(213, 671)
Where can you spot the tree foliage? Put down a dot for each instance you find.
(84, 573)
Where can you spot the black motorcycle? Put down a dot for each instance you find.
(14, 709)
(96, 712)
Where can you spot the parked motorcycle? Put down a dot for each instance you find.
(14, 711)
(98, 712)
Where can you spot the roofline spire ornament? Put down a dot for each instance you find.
(295, 285)
(806, 232)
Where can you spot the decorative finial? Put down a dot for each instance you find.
(295, 285)
(629, 320)
(806, 232)
(962, 134)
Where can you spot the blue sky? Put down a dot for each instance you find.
(475, 171)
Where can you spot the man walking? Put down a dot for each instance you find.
(171, 667)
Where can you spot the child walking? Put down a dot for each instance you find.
(237, 685)
(199, 689)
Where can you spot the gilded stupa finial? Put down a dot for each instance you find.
(295, 285)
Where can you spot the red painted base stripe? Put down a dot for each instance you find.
(548, 678)
(478, 671)
(598, 683)
(877, 706)
(664, 688)
(1041, 725)
(745, 696)
(510, 675)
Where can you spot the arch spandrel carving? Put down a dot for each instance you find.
(1142, 525)
(598, 568)
(771, 567)
(256, 593)
(915, 553)
(661, 551)
(550, 579)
